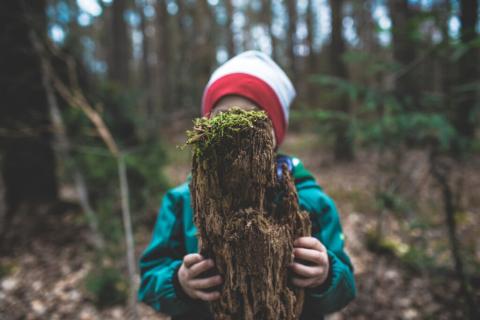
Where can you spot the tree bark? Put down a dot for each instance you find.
(247, 218)
(343, 136)
(28, 162)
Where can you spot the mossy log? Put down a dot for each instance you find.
(247, 216)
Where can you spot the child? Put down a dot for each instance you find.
(173, 277)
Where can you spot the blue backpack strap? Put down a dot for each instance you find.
(283, 159)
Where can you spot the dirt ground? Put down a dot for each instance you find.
(49, 258)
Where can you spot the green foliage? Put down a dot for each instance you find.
(417, 259)
(391, 201)
(385, 245)
(144, 159)
(338, 86)
(209, 131)
(6, 269)
(146, 176)
(120, 112)
(361, 200)
(106, 286)
(146, 180)
(413, 257)
(382, 121)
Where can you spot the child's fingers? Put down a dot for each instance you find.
(207, 296)
(200, 267)
(191, 259)
(306, 271)
(301, 282)
(206, 283)
(311, 255)
(310, 243)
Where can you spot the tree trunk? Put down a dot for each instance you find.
(267, 20)
(230, 37)
(147, 84)
(204, 45)
(28, 163)
(468, 70)
(311, 22)
(443, 80)
(165, 88)
(406, 85)
(442, 174)
(183, 59)
(248, 234)
(292, 38)
(366, 25)
(118, 68)
(343, 135)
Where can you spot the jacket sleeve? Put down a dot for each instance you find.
(163, 256)
(339, 288)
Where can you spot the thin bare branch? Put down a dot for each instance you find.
(64, 147)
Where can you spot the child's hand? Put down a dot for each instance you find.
(311, 263)
(194, 286)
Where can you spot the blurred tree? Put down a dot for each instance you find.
(183, 53)
(404, 52)
(28, 164)
(164, 61)
(467, 70)
(365, 25)
(229, 28)
(147, 79)
(119, 57)
(249, 14)
(442, 11)
(292, 38)
(343, 132)
(311, 21)
(204, 49)
(267, 19)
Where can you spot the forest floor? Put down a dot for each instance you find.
(43, 275)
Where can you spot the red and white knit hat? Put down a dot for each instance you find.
(255, 76)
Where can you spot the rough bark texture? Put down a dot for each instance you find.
(247, 216)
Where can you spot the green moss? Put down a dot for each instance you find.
(208, 132)
(385, 245)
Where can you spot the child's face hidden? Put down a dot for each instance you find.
(231, 101)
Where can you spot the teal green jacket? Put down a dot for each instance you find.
(174, 236)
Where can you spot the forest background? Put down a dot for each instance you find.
(97, 95)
